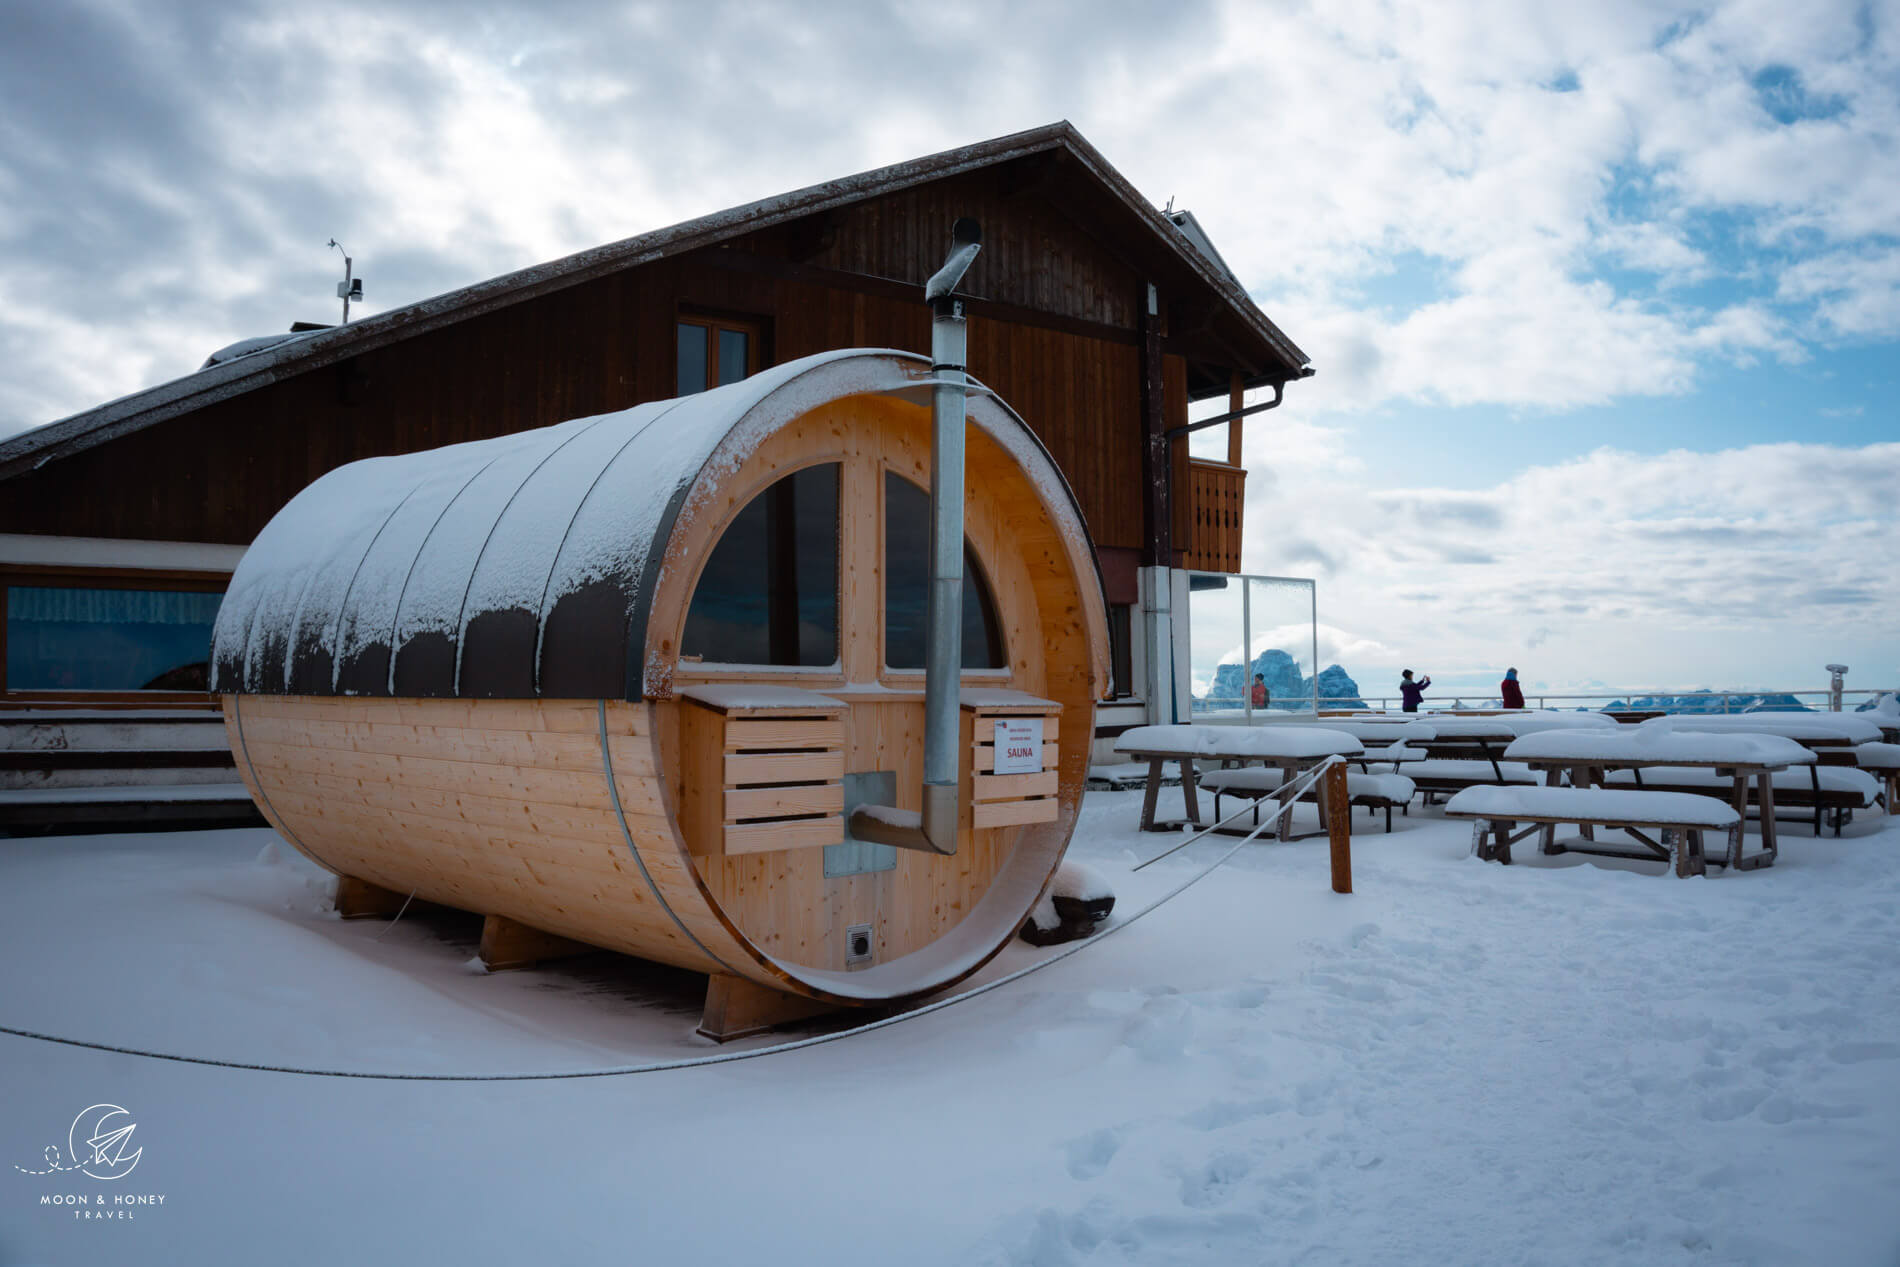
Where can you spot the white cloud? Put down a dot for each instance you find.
(1645, 554)
(1515, 150)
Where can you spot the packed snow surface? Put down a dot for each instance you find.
(1561, 1061)
(1239, 741)
(1593, 803)
(1628, 743)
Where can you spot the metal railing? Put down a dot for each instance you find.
(1632, 701)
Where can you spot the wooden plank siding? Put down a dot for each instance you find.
(218, 474)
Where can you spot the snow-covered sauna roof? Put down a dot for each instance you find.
(1176, 261)
(523, 565)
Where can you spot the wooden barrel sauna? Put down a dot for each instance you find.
(621, 680)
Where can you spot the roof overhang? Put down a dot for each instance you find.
(1211, 299)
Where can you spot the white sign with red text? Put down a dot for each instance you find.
(1018, 745)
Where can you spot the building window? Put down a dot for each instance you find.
(61, 638)
(715, 351)
(1121, 650)
(907, 586)
(769, 594)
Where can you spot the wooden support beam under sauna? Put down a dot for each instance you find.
(621, 680)
(507, 945)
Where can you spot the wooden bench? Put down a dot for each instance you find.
(77, 770)
(1830, 793)
(1374, 791)
(1679, 819)
(1882, 761)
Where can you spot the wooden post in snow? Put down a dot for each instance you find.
(1336, 803)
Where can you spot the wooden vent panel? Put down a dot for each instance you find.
(760, 780)
(1009, 800)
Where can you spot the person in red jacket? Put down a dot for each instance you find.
(1510, 691)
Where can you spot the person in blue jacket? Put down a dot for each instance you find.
(1412, 692)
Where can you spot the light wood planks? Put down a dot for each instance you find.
(501, 806)
(780, 898)
(418, 795)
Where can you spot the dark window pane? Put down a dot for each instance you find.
(907, 586)
(108, 640)
(733, 360)
(769, 594)
(692, 359)
(1121, 655)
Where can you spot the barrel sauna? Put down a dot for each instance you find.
(620, 681)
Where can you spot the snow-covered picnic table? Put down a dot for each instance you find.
(1379, 733)
(1882, 761)
(1833, 735)
(1467, 739)
(1291, 749)
(1587, 757)
(1680, 820)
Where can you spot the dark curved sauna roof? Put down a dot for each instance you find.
(520, 566)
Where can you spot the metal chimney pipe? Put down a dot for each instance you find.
(935, 830)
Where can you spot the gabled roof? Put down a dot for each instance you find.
(142, 409)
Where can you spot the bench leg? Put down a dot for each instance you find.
(1478, 850)
(1153, 791)
(1547, 839)
(1685, 851)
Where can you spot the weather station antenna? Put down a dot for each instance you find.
(350, 287)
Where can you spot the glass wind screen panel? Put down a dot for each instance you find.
(1280, 616)
(907, 586)
(1216, 612)
(734, 355)
(769, 594)
(108, 640)
(693, 359)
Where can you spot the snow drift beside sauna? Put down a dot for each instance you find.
(469, 673)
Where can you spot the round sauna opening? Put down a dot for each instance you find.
(622, 680)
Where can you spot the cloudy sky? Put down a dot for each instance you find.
(1604, 298)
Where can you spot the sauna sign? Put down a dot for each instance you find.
(1018, 745)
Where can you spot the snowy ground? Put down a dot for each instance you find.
(1562, 1061)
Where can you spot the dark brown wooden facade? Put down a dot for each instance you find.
(1060, 327)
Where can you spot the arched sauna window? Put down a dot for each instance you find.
(769, 593)
(907, 586)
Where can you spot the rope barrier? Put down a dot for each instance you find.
(1307, 777)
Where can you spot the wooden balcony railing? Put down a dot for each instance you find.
(1217, 494)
